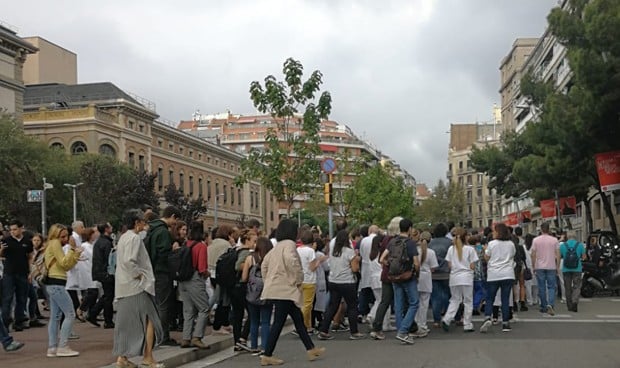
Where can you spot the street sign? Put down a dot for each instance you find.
(328, 165)
(34, 195)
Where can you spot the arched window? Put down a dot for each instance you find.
(78, 148)
(58, 146)
(108, 150)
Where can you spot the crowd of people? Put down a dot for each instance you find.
(246, 284)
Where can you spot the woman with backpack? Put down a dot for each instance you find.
(237, 296)
(259, 310)
(462, 262)
(193, 293)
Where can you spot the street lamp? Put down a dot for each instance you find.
(215, 208)
(297, 206)
(74, 188)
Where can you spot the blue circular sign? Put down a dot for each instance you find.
(328, 165)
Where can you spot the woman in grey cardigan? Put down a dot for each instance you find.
(138, 327)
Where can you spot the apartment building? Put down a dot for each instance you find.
(482, 204)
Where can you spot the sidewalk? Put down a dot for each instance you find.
(95, 347)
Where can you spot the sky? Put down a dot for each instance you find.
(399, 71)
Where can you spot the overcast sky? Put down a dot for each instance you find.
(399, 71)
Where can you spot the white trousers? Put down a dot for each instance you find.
(464, 294)
(422, 313)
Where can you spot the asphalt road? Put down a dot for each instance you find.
(590, 338)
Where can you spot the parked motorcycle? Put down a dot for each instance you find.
(603, 272)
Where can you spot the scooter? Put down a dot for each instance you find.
(602, 276)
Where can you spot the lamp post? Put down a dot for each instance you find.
(46, 186)
(215, 199)
(74, 188)
(297, 206)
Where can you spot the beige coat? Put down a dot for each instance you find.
(282, 273)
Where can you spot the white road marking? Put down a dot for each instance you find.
(608, 316)
(615, 300)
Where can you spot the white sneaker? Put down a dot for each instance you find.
(390, 328)
(51, 353)
(485, 326)
(66, 352)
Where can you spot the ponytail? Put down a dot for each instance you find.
(460, 235)
(424, 249)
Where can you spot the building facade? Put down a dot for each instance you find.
(101, 118)
(13, 52)
(243, 133)
(482, 204)
(51, 64)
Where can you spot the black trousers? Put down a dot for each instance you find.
(284, 308)
(105, 302)
(336, 293)
(164, 298)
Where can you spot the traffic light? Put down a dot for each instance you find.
(328, 193)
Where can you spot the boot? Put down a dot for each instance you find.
(524, 307)
(196, 342)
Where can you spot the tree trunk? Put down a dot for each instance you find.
(609, 212)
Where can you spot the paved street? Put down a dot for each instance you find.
(585, 339)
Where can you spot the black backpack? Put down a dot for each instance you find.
(571, 260)
(180, 263)
(398, 262)
(225, 273)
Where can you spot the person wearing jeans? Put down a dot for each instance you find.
(7, 340)
(545, 263)
(406, 298)
(440, 296)
(499, 254)
(282, 277)
(58, 263)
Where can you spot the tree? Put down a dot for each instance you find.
(191, 209)
(287, 165)
(446, 204)
(377, 196)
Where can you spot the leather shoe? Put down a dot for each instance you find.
(108, 325)
(93, 321)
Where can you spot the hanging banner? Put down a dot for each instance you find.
(547, 208)
(526, 216)
(568, 206)
(512, 219)
(608, 168)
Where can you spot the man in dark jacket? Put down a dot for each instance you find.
(101, 255)
(158, 244)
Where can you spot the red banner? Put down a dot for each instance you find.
(568, 207)
(608, 168)
(512, 219)
(547, 208)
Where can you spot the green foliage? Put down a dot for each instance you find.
(446, 204)
(377, 196)
(288, 165)
(191, 209)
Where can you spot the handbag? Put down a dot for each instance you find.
(41, 270)
(527, 273)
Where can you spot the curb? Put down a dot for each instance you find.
(175, 356)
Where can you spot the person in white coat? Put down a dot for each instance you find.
(428, 264)
(367, 272)
(462, 262)
(89, 235)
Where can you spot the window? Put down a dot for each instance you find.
(78, 148)
(58, 146)
(130, 124)
(479, 193)
(450, 167)
(131, 159)
(191, 186)
(271, 215)
(480, 209)
(160, 179)
(200, 191)
(208, 189)
(107, 150)
(160, 143)
(200, 156)
(217, 191)
(469, 180)
(141, 163)
(171, 146)
(460, 165)
(181, 182)
(190, 153)
(170, 177)
(208, 159)
(181, 150)
(469, 210)
(251, 199)
(490, 208)
(141, 128)
(480, 179)
(225, 194)
(232, 195)
(239, 197)
(469, 164)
